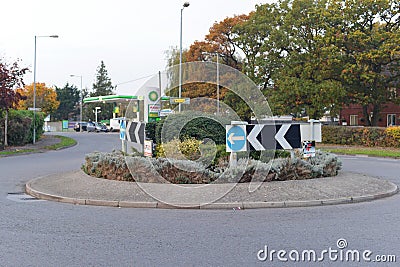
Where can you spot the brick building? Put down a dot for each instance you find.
(352, 115)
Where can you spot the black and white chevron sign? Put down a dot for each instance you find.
(135, 132)
(279, 136)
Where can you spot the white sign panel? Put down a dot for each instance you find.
(311, 132)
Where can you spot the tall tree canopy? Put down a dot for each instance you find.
(11, 77)
(369, 39)
(102, 86)
(46, 98)
(310, 57)
(69, 108)
(315, 56)
(217, 45)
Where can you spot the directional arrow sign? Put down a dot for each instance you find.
(282, 136)
(252, 137)
(122, 130)
(236, 138)
(135, 132)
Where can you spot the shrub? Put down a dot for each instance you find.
(392, 136)
(189, 148)
(363, 136)
(194, 125)
(20, 127)
(110, 166)
(115, 166)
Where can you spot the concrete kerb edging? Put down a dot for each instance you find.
(232, 205)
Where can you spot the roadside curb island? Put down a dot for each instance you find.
(81, 189)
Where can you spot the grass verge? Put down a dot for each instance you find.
(64, 142)
(17, 151)
(375, 152)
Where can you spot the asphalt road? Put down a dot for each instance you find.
(43, 233)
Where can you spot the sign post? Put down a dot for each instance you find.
(122, 134)
(236, 137)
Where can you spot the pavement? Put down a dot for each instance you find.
(78, 188)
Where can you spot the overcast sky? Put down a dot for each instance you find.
(130, 36)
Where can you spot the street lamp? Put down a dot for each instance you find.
(217, 54)
(186, 4)
(34, 85)
(80, 103)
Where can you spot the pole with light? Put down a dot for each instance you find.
(80, 102)
(217, 83)
(34, 85)
(217, 54)
(186, 4)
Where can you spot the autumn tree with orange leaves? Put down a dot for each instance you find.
(46, 98)
(219, 41)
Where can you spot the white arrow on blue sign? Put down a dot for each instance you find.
(236, 138)
(122, 130)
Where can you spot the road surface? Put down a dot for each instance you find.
(44, 233)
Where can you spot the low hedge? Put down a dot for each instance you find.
(363, 136)
(117, 166)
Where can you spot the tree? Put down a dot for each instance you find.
(11, 76)
(46, 98)
(102, 86)
(305, 79)
(218, 42)
(369, 39)
(69, 97)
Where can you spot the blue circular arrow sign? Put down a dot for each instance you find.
(236, 138)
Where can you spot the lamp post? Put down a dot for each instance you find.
(217, 84)
(216, 53)
(80, 102)
(186, 4)
(34, 85)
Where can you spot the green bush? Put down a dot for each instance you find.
(362, 136)
(151, 130)
(20, 127)
(194, 125)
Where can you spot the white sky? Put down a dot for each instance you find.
(130, 36)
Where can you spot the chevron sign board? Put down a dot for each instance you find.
(283, 136)
(135, 132)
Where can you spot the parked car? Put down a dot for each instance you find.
(78, 125)
(96, 127)
(101, 127)
(91, 126)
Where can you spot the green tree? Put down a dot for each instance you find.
(102, 86)
(288, 57)
(69, 97)
(369, 39)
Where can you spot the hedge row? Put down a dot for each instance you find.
(20, 127)
(363, 136)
